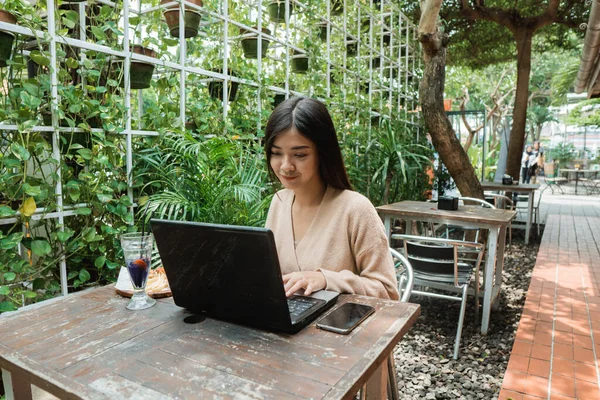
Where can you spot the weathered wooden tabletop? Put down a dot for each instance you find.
(87, 345)
(426, 211)
(520, 187)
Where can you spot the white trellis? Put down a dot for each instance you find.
(389, 40)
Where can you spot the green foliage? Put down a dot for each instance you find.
(562, 154)
(390, 164)
(586, 113)
(213, 180)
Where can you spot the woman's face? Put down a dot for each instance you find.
(529, 149)
(295, 161)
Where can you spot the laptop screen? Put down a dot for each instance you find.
(228, 272)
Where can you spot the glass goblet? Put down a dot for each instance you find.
(137, 251)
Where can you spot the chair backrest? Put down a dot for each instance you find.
(430, 258)
(476, 200)
(405, 275)
(437, 256)
(501, 201)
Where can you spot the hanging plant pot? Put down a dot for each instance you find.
(276, 11)
(299, 63)
(278, 99)
(351, 46)
(140, 72)
(250, 43)
(337, 7)
(375, 120)
(191, 18)
(322, 26)
(215, 88)
(387, 38)
(375, 62)
(6, 38)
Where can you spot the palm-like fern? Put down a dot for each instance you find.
(216, 180)
(396, 156)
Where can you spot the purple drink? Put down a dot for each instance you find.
(138, 271)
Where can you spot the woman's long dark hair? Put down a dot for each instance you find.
(311, 118)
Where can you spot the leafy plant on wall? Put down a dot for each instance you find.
(216, 180)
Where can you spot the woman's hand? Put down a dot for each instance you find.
(310, 281)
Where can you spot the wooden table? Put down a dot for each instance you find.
(88, 346)
(528, 188)
(470, 217)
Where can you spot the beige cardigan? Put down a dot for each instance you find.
(346, 241)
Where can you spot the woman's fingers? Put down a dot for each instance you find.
(310, 281)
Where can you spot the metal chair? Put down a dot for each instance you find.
(505, 203)
(436, 264)
(523, 200)
(404, 273)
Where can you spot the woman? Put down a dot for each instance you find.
(327, 236)
(526, 163)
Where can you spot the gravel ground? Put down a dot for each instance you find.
(424, 357)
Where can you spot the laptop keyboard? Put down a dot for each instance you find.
(299, 305)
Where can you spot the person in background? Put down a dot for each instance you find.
(525, 163)
(537, 161)
(327, 235)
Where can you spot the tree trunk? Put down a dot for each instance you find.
(443, 136)
(386, 190)
(517, 133)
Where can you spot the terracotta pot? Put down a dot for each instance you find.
(447, 104)
(250, 43)
(299, 63)
(191, 19)
(276, 10)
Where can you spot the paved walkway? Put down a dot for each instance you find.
(556, 354)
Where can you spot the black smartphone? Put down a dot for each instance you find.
(345, 318)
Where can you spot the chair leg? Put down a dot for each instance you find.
(461, 318)
(392, 385)
(477, 294)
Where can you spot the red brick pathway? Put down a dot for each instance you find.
(556, 354)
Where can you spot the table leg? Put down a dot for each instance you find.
(499, 267)
(490, 263)
(15, 387)
(387, 223)
(376, 387)
(529, 216)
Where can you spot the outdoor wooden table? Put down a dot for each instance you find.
(470, 217)
(577, 172)
(88, 346)
(528, 188)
